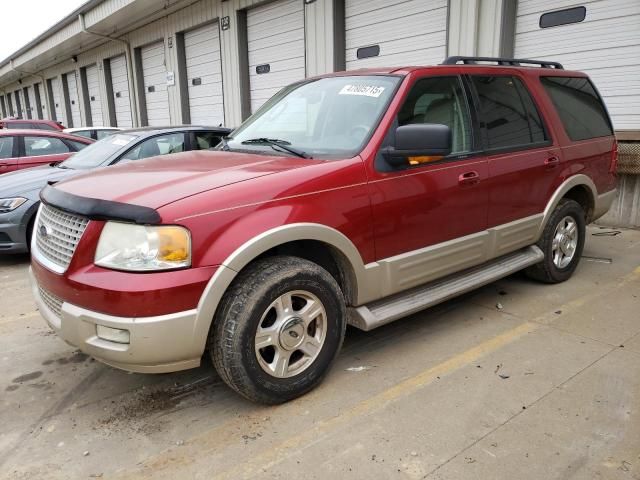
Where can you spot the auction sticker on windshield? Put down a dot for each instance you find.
(366, 90)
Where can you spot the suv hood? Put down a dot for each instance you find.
(162, 180)
(30, 180)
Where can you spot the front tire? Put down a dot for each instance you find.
(278, 329)
(562, 243)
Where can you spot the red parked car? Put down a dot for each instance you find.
(355, 197)
(30, 148)
(33, 124)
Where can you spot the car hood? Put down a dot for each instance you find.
(30, 180)
(158, 181)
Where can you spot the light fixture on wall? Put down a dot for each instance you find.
(74, 59)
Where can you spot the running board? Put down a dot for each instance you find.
(387, 310)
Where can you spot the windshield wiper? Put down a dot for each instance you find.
(275, 142)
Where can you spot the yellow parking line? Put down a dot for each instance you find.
(403, 389)
(281, 452)
(273, 456)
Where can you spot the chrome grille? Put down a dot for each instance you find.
(54, 303)
(57, 234)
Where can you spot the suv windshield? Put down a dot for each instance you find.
(323, 118)
(95, 154)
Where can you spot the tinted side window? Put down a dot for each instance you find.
(205, 140)
(77, 145)
(100, 134)
(83, 133)
(161, 145)
(507, 112)
(439, 100)
(36, 146)
(579, 107)
(6, 147)
(46, 126)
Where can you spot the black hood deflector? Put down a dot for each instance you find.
(96, 209)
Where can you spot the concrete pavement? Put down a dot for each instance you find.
(516, 380)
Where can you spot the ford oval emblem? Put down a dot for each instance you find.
(44, 231)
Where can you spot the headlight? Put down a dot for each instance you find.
(124, 246)
(9, 204)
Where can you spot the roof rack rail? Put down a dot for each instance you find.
(510, 62)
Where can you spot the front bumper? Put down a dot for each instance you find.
(158, 344)
(13, 232)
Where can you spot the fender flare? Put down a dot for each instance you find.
(251, 249)
(573, 181)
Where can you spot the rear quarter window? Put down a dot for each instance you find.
(579, 106)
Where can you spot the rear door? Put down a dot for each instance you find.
(41, 149)
(523, 162)
(8, 153)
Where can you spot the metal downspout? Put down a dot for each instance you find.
(129, 57)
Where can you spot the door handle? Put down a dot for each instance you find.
(469, 178)
(551, 162)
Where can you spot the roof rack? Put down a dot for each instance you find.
(509, 62)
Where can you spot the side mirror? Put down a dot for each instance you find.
(419, 143)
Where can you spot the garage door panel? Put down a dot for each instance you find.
(606, 45)
(154, 74)
(271, 10)
(542, 6)
(407, 32)
(277, 75)
(292, 40)
(596, 11)
(32, 102)
(56, 86)
(93, 91)
(406, 12)
(275, 34)
(202, 52)
(120, 82)
(74, 104)
(403, 28)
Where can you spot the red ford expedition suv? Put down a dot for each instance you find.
(351, 198)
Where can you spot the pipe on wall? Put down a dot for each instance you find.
(129, 58)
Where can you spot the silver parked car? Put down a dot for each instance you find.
(20, 190)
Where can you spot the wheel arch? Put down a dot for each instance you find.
(308, 240)
(577, 187)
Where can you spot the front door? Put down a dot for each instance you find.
(430, 218)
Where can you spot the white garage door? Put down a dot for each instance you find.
(204, 75)
(74, 104)
(32, 102)
(93, 92)
(395, 33)
(56, 87)
(19, 104)
(40, 97)
(121, 98)
(154, 73)
(275, 33)
(606, 45)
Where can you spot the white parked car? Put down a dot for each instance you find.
(97, 133)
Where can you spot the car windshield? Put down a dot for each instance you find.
(97, 153)
(324, 118)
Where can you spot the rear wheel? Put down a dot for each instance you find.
(562, 242)
(278, 329)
